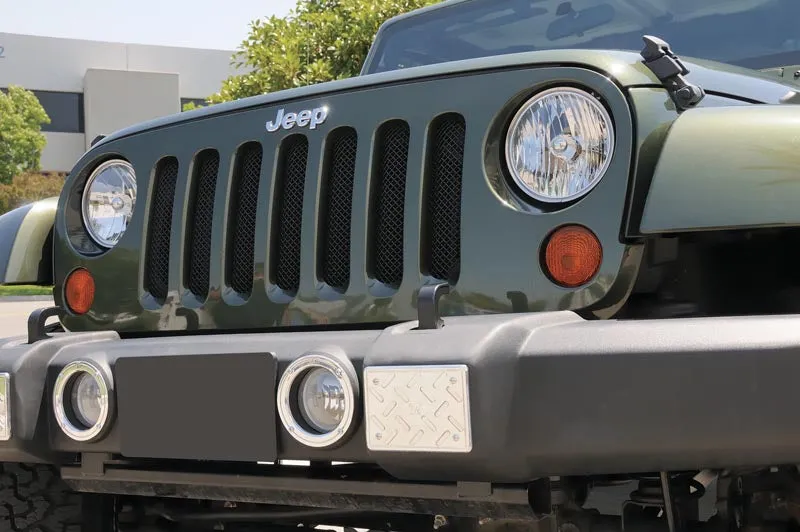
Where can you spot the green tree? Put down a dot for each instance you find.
(191, 106)
(320, 40)
(21, 138)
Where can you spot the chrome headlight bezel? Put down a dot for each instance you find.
(87, 187)
(287, 399)
(518, 118)
(63, 408)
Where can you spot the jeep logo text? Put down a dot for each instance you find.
(305, 118)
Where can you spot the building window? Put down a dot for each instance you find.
(65, 110)
(198, 102)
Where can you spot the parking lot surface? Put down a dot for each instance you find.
(14, 316)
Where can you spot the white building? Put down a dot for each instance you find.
(91, 88)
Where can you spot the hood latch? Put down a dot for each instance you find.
(669, 69)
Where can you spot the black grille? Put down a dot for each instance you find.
(275, 180)
(243, 217)
(199, 222)
(337, 208)
(389, 202)
(288, 208)
(443, 213)
(156, 272)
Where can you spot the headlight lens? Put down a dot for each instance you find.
(559, 145)
(108, 201)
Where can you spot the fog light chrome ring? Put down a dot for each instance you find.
(288, 401)
(63, 409)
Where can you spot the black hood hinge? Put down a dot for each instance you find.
(669, 69)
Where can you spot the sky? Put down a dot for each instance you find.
(215, 24)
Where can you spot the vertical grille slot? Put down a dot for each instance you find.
(198, 222)
(337, 202)
(388, 202)
(442, 238)
(156, 272)
(288, 213)
(242, 227)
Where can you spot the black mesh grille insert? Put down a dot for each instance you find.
(443, 205)
(156, 272)
(243, 218)
(389, 202)
(199, 221)
(336, 208)
(288, 209)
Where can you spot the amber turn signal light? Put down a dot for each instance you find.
(572, 256)
(79, 291)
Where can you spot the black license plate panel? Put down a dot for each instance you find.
(198, 407)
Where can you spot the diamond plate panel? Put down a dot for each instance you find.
(418, 408)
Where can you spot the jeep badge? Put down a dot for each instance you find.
(311, 118)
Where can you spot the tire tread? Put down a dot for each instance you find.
(34, 499)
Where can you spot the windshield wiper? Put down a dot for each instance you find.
(670, 71)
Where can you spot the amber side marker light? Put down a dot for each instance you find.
(79, 291)
(572, 256)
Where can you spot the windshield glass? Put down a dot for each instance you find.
(750, 33)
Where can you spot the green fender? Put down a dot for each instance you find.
(727, 168)
(26, 244)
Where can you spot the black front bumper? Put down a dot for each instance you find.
(548, 394)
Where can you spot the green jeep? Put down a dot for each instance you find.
(534, 269)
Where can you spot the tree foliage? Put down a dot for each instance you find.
(190, 106)
(21, 138)
(320, 40)
(29, 187)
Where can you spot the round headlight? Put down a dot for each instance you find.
(108, 200)
(317, 397)
(559, 145)
(82, 401)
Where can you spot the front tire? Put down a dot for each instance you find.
(34, 498)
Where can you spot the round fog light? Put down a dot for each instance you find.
(322, 400)
(317, 399)
(82, 401)
(86, 400)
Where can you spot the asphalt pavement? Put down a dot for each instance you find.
(14, 316)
